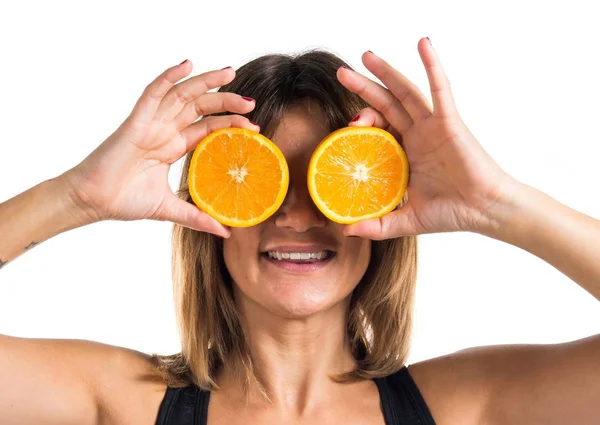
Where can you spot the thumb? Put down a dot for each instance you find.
(178, 211)
(392, 225)
(370, 229)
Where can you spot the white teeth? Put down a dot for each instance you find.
(297, 255)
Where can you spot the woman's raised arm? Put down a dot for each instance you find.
(125, 178)
(45, 381)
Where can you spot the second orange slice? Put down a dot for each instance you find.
(238, 177)
(357, 173)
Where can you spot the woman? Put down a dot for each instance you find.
(263, 342)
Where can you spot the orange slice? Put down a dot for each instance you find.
(238, 177)
(358, 173)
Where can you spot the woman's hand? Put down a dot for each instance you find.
(125, 178)
(454, 184)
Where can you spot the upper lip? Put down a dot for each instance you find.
(299, 248)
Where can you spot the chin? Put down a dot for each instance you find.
(298, 304)
(299, 298)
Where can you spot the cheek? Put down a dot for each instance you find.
(358, 256)
(239, 254)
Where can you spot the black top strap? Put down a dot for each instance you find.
(184, 406)
(401, 400)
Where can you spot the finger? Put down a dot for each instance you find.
(392, 225)
(199, 130)
(153, 94)
(178, 211)
(212, 103)
(415, 103)
(370, 117)
(188, 90)
(376, 96)
(443, 100)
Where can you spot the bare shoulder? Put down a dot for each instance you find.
(518, 383)
(75, 381)
(454, 386)
(127, 387)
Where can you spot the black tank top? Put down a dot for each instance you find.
(401, 403)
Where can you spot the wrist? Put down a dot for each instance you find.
(507, 211)
(65, 187)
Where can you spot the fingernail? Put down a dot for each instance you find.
(253, 123)
(429, 41)
(371, 52)
(183, 62)
(345, 67)
(249, 99)
(356, 118)
(227, 67)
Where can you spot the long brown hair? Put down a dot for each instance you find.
(380, 316)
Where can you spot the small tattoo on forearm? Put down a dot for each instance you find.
(2, 263)
(31, 245)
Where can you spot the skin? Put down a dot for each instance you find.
(296, 332)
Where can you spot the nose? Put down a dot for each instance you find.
(298, 211)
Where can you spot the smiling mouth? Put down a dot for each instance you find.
(299, 257)
(299, 262)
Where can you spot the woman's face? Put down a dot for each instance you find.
(295, 288)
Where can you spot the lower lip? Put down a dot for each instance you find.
(298, 267)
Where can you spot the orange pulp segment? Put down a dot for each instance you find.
(358, 173)
(238, 177)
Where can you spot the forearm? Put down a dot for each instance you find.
(559, 235)
(36, 215)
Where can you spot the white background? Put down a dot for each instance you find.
(524, 74)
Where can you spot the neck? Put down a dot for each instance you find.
(294, 358)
